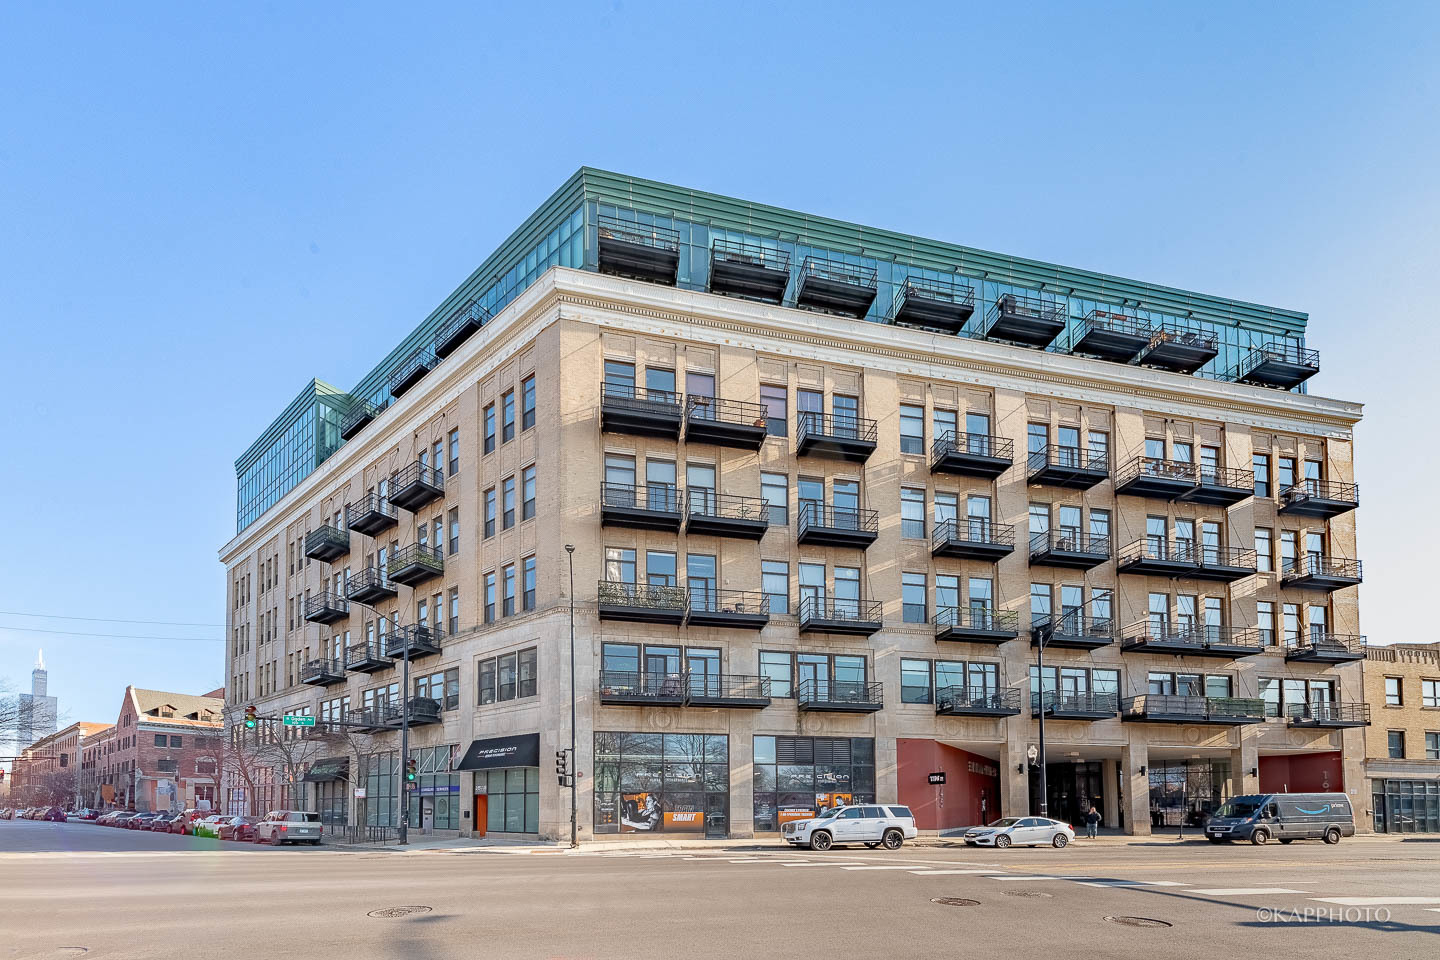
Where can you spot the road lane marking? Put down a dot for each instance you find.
(824, 863)
(898, 867)
(752, 860)
(1376, 901)
(1244, 891)
(1137, 883)
(994, 876)
(945, 873)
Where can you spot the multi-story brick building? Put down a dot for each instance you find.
(1402, 746)
(49, 770)
(829, 488)
(162, 753)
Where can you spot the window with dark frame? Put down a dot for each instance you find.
(507, 416)
(527, 402)
(490, 428)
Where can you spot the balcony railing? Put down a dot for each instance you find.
(365, 658)
(728, 423)
(1075, 706)
(642, 602)
(418, 640)
(971, 454)
(360, 414)
(1168, 708)
(840, 696)
(1069, 467)
(326, 607)
(839, 615)
(1110, 336)
(977, 701)
(825, 525)
(655, 506)
(1192, 639)
(750, 270)
(633, 687)
(1158, 478)
(1071, 629)
(1319, 572)
(322, 672)
(972, 538)
(415, 564)
(626, 408)
(369, 586)
(462, 323)
(943, 305)
(1029, 321)
(1319, 498)
(674, 689)
(725, 514)
(1320, 647)
(709, 607)
(1324, 714)
(1221, 486)
(639, 250)
(1280, 363)
(370, 514)
(840, 436)
(411, 371)
(415, 485)
(1068, 548)
(1180, 349)
(423, 711)
(976, 624)
(327, 543)
(833, 286)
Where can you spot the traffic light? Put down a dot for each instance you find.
(409, 771)
(562, 767)
(249, 718)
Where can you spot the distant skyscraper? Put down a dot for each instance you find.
(38, 711)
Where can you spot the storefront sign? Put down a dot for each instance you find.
(980, 769)
(938, 778)
(499, 752)
(359, 793)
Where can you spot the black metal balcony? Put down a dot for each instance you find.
(1028, 321)
(1179, 349)
(971, 454)
(641, 602)
(832, 286)
(822, 525)
(1218, 711)
(1191, 640)
(1281, 363)
(729, 690)
(841, 437)
(976, 702)
(737, 609)
(655, 506)
(416, 485)
(367, 719)
(423, 712)
(1075, 706)
(360, 414)
(369, 586)
(366, 658)
(419, 641)
(411, 371)
(1068, 467)
(726, 423)
(1326, 648)
(1068, 548)
(712, 514)
(857, 618)
(1225, 564)
(327, 543)
(370, 515)
(322, 673)
(462, 323)
(1155, 478)
(976, 625)
(632, 689)
(644, 413)
(1319, 498)
(839, 696)
(945, 305)
(1329, 716)
(326, 608)
(971, 538)
(1317, 572)
(1221, 486)
(1184, 559)
(416, 563)
(749, 270)
(1073, 631)
(637, 250)
(1106, 335)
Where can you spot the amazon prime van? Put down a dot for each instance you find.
(1262, 817)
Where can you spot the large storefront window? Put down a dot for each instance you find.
(435, 801)
(795, 776)
(1187, 791)
(652, 782)
(332, 802)
(382, 793)
(512, 799)
(1406, 806)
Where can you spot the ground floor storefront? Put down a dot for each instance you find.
(1406, 806)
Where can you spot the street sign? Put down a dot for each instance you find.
(937, 778)
(359, 793)
(295, 720)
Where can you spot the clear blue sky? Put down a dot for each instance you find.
(201, 209)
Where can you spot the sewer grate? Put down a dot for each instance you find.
(391, 913)
(1139, 922)
(1034, 894)
(955, 902)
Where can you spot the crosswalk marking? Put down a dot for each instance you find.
(944, 873)
(880, 867)
(1136, 883)
(1243, 891)
(823, 863)
(1376, 901)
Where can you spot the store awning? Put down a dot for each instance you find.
(334, 768)
(497, 752)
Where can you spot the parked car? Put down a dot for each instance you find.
(208, 827)
(872, 824)
(289, 826)
(162, 822)
(122, 818)
(86, 813)
(54, 814)
(238, 828)
(105, 819)
(141, 821)
(1286, 817)
(1021, 832)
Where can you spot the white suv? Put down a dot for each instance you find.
(289, 826)
(872, 824)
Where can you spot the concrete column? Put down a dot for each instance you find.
(1137, 788)
(1109, 778)
(1243, 760)
(1014, 784)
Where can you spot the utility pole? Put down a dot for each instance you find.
(574, 760)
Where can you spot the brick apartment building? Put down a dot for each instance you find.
(1402, 745)
(48, 771)
(162, 753)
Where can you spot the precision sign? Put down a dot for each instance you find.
(937, 778)
(295, 720)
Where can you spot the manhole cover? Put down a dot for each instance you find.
(955, 902)
(1138, 922)
(1035, 894)
(390, 913)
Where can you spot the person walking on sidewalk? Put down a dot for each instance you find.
(1092, 822)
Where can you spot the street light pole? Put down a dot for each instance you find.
(574, 762)
(1042, 636)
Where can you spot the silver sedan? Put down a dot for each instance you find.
(1021, 832)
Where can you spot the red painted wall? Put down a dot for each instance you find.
(962, 790)
(1302, 773)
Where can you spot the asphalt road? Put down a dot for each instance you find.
(120, 893)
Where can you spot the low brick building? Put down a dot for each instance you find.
(163, 752)
(48, 771)
(1402, 744)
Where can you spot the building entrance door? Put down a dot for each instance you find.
(1072, 788)
(427, 815)
(482, 814)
